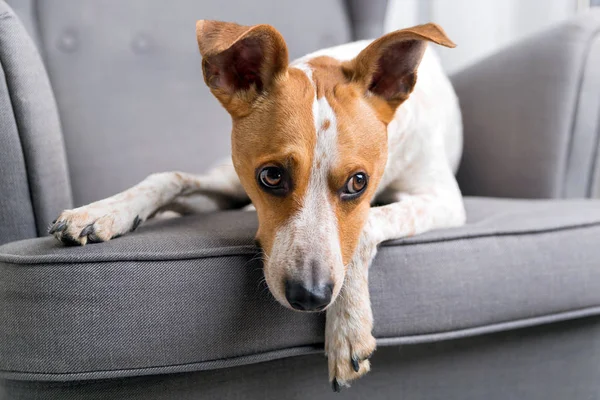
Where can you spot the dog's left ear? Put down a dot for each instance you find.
(387, 68)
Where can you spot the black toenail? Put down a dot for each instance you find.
(355, 365)
(87, 230)
(136, 222)
(336, 386)
(94, 239)
(57, 227)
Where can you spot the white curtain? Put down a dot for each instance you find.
(479, 27)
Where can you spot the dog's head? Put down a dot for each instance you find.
(309, 143)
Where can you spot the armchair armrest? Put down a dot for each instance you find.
(531, 116)
(34, 183)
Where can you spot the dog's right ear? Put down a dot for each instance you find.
(387, 68)
(240, 62)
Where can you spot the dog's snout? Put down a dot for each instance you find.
(308, 297)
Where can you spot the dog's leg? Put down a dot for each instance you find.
(348, 338)
(121, 213)
(412, 214)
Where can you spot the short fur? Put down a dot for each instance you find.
(382, 108)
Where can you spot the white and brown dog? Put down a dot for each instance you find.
(314, 143)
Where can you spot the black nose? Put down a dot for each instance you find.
(307, 297)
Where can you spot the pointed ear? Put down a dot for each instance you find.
(387, 68)
(240, 62)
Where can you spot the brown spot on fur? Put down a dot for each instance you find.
(362, 147)
(326, 124)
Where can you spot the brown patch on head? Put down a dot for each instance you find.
(279, 131)
(361, 146)
(327, 73)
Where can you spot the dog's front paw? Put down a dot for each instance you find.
(94, 223)
(348, 346)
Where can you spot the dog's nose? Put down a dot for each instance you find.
(307, 297)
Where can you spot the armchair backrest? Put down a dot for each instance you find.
(127, 79)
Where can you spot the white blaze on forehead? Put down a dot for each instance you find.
(326, 127)
(312, 234)
(315, 224)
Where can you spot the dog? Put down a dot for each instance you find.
(315, 144)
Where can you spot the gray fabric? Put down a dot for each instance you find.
(129, 84)
(16, 212)
(584, 154)
(593, 63)
(27, 12)
(367, 17)
(551, 362)
(33, 174)
(530, 115)
(192, 290)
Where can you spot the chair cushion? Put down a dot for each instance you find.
(187, 294)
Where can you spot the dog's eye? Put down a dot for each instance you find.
(354, 186)
(274, 180)
(271, 177)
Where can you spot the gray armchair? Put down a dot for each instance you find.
(504, 307)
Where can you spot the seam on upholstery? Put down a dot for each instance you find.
(596, 154)
(7, 81)
(594, 161)
(351, 28)
(242, 250)
(575, 111)
(35, 10)
(302, 350)
(491, 234)
(478, 330)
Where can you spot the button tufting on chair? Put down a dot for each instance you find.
(68, 41)
(142, 43)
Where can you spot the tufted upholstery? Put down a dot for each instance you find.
(124, 71)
